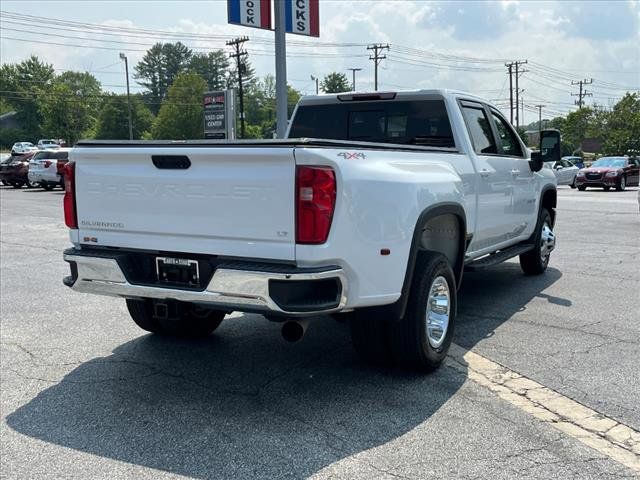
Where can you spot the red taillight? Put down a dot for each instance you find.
(315, 202)
(47, 163)
(60, 167)
(70, 216)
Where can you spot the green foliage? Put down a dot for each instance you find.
(335, 83)
(113, 120)
(22, 85)
(260, 106)
(5, 107)
(623, 127)
(160, 66)
(70, 106)
(9, 136)
(181, 115)
(213, 67)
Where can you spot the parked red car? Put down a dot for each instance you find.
(15, 171)
(608, 172)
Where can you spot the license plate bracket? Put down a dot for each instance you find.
(178, 271)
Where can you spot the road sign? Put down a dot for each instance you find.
(219, 114)
(250, 13)
(302, 17)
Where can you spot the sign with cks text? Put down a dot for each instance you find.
(302, 17)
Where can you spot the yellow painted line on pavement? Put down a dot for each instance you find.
(604, 434)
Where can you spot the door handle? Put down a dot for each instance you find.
(484, 172)
(515, 172)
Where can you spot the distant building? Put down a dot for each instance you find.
(591, 145)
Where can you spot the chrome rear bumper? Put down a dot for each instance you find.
(229, 289)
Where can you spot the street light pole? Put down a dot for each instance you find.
(353, 72)
(315, 79)
(126, 70)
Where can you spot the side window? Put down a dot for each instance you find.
(510, 144)
(479, 129)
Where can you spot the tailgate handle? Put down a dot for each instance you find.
(171, 162)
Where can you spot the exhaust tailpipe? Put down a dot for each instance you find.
(293, 330)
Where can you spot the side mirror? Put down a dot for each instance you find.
(550, 145)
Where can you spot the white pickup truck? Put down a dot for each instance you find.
(370, 210)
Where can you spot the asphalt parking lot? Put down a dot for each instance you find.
(87, 394)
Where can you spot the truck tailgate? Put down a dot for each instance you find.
(230, 201)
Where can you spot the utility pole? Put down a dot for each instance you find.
(518, 73)
(376, 57)
(540, 107)
(316, 80)
(236, 43)
(282, 114)
(582, 93)
(353, 72)
(510, 67)
(126, 71)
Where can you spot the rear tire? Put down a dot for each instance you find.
(192, 321)
(581, 188)
(47, 186)
(536, 260)
(16, 184)
(573, 184)
(421, 339)
(5, 183)
(606, 189)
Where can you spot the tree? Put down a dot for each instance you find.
(22, 85)
(260, 106)
(113, 121)
(213, 67)
(159, 68)
(622, 131)
(69, 109)
(335, 83)
(181, 116)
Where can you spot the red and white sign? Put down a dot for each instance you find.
(302, 17)
(250, 13)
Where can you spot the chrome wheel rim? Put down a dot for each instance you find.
(438, 311)
(547, 243)
(623, 183)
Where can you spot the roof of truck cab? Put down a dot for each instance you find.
(400, 95)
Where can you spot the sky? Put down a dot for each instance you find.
(451, 44)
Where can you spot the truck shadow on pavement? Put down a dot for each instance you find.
(243, 404)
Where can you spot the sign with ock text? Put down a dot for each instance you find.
(250, 13)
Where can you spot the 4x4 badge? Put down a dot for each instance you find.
(352, 155)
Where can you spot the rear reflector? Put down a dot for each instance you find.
(70, 215)
(315, 203)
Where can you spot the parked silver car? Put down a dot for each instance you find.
(565, 172)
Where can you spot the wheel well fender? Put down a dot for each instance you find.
(549, 200)
(440, 228)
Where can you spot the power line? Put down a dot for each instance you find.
(376, 57)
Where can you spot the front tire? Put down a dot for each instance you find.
(16, 184)
(606, 189)
(582, 188)
(573, 184)
(191, 322)
(47, 186)
(421, 339)
(536, 260)
(622, 184)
